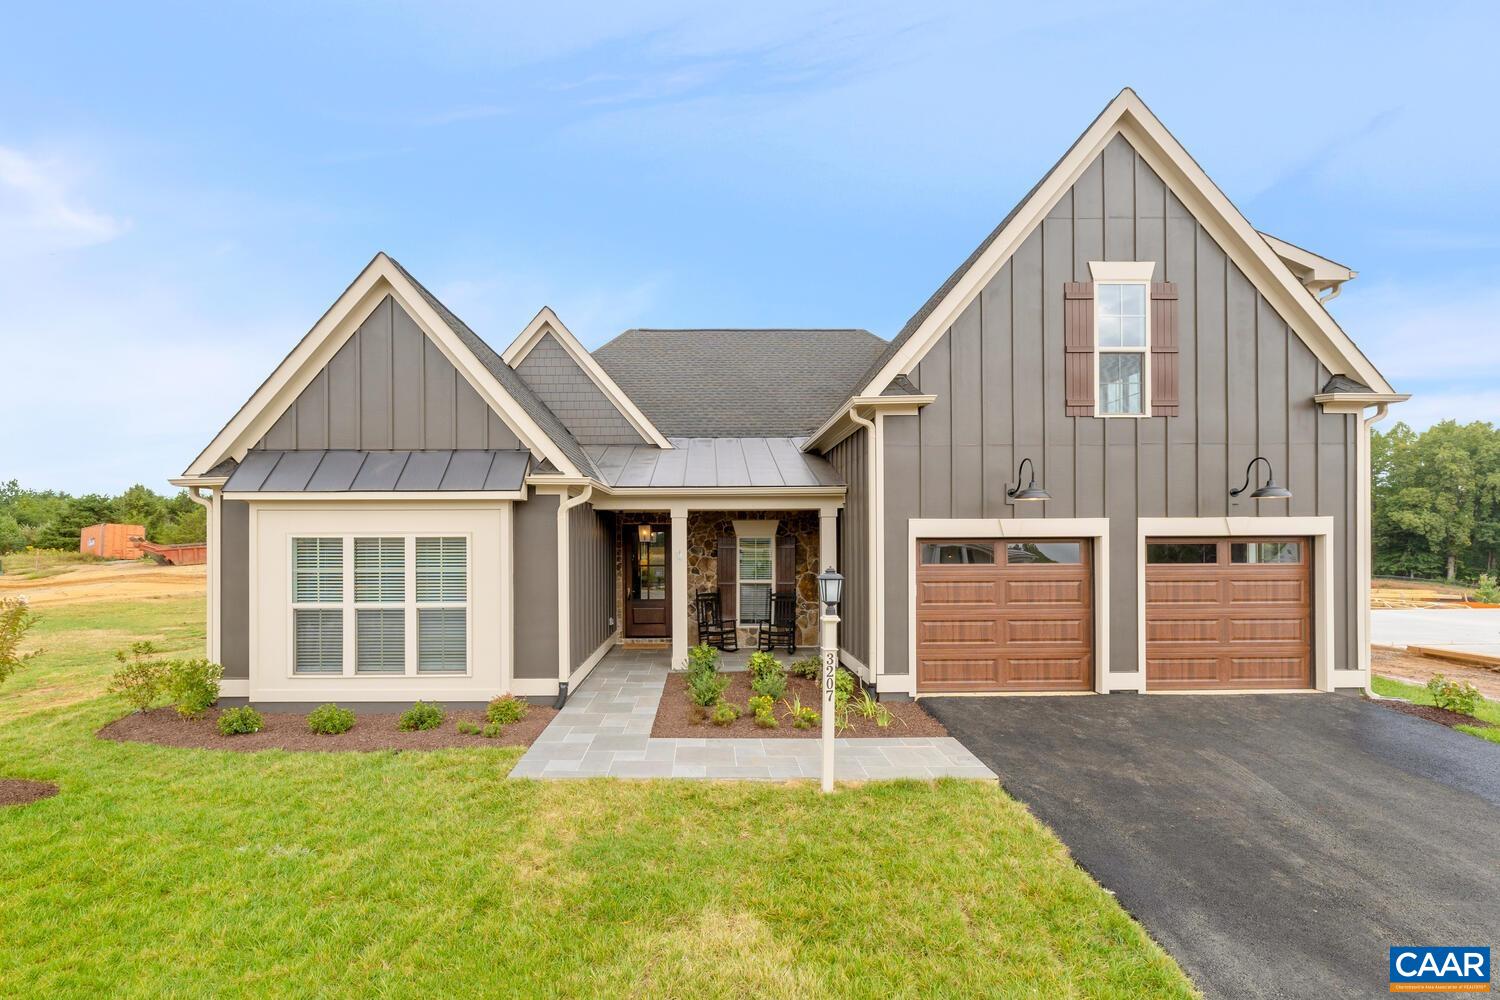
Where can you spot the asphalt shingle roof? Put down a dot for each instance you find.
(738, 383)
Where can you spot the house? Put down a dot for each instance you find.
(402, 512)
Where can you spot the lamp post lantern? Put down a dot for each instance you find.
(830, 592)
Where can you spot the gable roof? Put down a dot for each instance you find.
(500, 387)
(1127, 114)
(738, 383)
(546, 322)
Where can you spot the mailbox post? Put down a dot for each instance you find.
(830, 591)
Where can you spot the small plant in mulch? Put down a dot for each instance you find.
(330, 720)
(802, 716)
(725, 712)
(1453, 696)
(469, 728)
(16, 619)
(767, 675)
(420, 716)
(493, 730)
(702, 657)
(140, 679)
(808, 666)
(240, 721)
(705, 688)
(505, 709)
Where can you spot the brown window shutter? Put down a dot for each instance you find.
(728, 565)
(1164, 367)
(1078, 340)
(786, 563)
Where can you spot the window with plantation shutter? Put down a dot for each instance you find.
(379, 580)
(381, 641)
(379, 570)
(442, 612)
(317, 579)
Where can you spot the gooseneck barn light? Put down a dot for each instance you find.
(1272, 490)
(1015, 494)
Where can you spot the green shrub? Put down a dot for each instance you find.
(762, 703)
(493, 730)
(702, 658)
(706, 687)
(330, 720)
(844, 684)
(724, 713)
(420, 716)
(809, 667)
(16, 619)
(767, 675)
(802, 716)
(469, 728)
(1487, 591)
(138, 679)
(865, 705)
(193, 686)
(505, 709)
(1454, 696)
(240, 721)
(765, 718)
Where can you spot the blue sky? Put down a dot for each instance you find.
(185, 188)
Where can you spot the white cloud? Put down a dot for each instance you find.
(1446, 329)
(41, 213)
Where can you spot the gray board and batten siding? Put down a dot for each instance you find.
(591, 581)
(850, 459)
(1246, 387)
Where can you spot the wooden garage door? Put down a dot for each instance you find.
(1004, 615)
(1232, 614)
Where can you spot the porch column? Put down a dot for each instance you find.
(828, 539)
(679, 587)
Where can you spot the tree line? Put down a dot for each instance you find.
(49, 519)
(1436, 498)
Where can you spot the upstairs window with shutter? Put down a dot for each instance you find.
(442, 605)
(1120, 311)
(317, 627)
(380, 605)
(1120, 335)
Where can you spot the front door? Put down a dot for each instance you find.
(648, 581)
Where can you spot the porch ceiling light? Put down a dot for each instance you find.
(1016, 494)
(830, 589)
(1272, 490)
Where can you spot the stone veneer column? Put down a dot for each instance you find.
(680, 586)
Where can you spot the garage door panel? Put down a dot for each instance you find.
(1021, 623)
(1218, 620)
(958, 631)
(957, 593)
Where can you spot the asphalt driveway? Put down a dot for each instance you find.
(1276, 845)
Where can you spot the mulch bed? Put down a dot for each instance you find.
(288, 731)
(19, 791)
(1434, 714)
(677, 717)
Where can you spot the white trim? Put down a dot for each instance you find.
(380, 277)
(757, 531)
(578, 676)
(234, 687)
(1095, 529)
(679, 589)
(1122, 272)
(792, 498)
(435, 496)
(1364, 560)
(565, 505)
(875, 464)
(1128, 115)
(1313, 270)
(545, 322)
(844, 422)
(853, 663)
(1319, 529)
(1357, 402)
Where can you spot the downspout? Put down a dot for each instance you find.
(877, 562)
(1366, 540)
(210, 531)
(565, 505)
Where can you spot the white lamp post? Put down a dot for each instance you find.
(830, 592)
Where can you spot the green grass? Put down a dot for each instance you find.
(38, 564)
(160, 871)
(1488, 711)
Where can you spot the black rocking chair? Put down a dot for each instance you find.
(781, 627)
(713, 628)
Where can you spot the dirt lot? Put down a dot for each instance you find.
(108, 582)
(1417, 669)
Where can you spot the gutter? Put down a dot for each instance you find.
(877, 557)
(1367, 542)
(564, 616)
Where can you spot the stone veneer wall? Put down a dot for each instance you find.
(704, 529)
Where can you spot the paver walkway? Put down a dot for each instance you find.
(605, 731)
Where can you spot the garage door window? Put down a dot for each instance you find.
(1265, 552)
(1198, 553)
(957, 554)
(1039, 553)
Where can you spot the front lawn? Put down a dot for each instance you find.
(1488, 711)
(161, 871)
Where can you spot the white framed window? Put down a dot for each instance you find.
(1122, 339)
(755, 568)
(402, 599)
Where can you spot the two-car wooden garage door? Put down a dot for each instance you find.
(1008, 615)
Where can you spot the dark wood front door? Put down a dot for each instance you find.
(1004, 615)
(648, 581)
(1228, 613)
